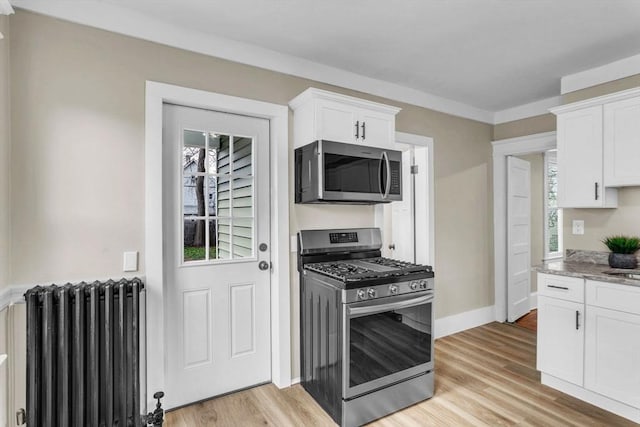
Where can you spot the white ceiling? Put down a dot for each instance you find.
(488, 54)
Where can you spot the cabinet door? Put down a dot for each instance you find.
(379, 129)
(580, 159)
(337, 122)
(612, 354)
(622, 142)
(561, 339)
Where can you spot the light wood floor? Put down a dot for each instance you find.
(529, 321)
(484, 377)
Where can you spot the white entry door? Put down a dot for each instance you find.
(216, 253)
(518, 238)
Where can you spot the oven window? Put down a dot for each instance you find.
(386, 343)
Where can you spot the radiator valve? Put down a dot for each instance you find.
(156, 417)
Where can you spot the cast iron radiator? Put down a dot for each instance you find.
(83, 354)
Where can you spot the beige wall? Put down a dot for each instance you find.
(536, 161)
(602, 89)
(599, 223)
(78, 139)
(5, 153)
(523, 127)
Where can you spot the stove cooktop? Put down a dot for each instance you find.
(368, 268)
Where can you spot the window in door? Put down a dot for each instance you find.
(552, 214)
(217, 197)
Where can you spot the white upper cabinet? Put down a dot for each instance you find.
(622, 142)
(319, 114)
(598, 149)
(580, 168)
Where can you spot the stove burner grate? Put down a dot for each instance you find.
(380, 267)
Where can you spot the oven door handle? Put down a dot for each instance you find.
(388, 306)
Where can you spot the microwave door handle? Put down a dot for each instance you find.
(388, 169)
(379, 308)
(320, 174)
(380, 176)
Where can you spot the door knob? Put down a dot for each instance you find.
(392, 246)
(263, 265)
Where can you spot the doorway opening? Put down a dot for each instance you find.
(408, 226)
(533, 146)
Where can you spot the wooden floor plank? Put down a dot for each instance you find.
(485, 376)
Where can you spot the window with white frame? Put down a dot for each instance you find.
(552, 214)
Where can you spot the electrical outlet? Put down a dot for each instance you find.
(578, 226)
(130, 261)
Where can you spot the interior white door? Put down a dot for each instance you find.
(402, 244)
(216, 253)
(518, 238)
(405, 224)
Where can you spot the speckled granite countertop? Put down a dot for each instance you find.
(586, 265)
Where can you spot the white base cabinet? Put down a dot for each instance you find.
(589, 341)
(612, 341)
(561, 338)
(612, 354)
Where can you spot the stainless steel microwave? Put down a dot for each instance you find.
(335, 172)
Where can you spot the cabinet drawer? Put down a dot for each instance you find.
(613, 296)
(563, 287)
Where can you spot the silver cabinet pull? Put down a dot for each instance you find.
(558, 287)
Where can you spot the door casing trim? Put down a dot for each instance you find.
(278, 115)
(501, 149)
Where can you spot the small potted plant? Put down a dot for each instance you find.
(623, 250)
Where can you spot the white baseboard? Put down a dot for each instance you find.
(459, 322)
(296, 380)
(596, 399)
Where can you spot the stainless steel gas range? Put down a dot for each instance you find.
(366, 328)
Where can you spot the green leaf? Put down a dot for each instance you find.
(620, 244)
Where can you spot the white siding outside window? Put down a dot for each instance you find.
(552, 214)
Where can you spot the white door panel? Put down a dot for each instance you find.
(519, 237)
(402, 226)
(216, 212)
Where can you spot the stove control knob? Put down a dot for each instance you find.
(393, 289)
(371, 292)
(423, 284)
(413, 286)
(362, 294)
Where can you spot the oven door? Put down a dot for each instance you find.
(386, 341)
